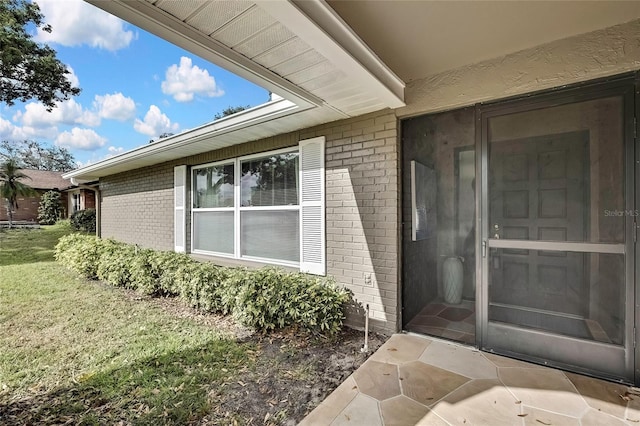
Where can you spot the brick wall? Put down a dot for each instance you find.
(27, 209)
(89, 198)
(362, 207)
(137, 207)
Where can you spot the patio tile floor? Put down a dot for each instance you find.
(416, 380)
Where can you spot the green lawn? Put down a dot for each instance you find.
(79, 351)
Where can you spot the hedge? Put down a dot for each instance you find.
(266, 299)
(84, 220)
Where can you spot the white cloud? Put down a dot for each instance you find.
(12, 132)
(111, 106)
(115, 107)
(72, 77)
(113, 151)
(85, 139)
(185, 81)
(155, 123)
(96, 157)
(68, 112)
(75, 22)
(39, 132)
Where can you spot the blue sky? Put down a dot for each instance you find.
(135, 87)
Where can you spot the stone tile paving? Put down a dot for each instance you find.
(415, 380)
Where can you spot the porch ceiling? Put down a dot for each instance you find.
(421, 38)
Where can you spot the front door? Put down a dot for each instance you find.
(557, 235)
(539, 188)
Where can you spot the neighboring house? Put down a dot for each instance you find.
(42, 181)
(80, 199)
(410, 136)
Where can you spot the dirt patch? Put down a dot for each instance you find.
(291, 373)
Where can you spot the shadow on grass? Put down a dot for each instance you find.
(173, 388)
(24, 246)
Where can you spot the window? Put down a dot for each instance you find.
(259, 208)
(75, 202)
(269, 207)
(270, 181)
(213, 186)
(214, 208)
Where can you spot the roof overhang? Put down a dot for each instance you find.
(300, 50)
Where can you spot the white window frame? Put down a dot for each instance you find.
(237, 208)
(212, 209)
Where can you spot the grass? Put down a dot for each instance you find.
(87, 353)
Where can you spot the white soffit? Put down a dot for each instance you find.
(318, 25)
(301, 51)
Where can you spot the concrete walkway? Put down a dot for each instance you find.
(414, 380)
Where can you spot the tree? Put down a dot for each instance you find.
(229, 111)
(28, 69)
(275, 179)
(50, 209)
(162, 136)
(11, 187)
(37, 156)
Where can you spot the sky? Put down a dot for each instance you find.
(135, 86)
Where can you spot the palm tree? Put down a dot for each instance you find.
(11, 187)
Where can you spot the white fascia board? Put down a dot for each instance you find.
(150, 18)
(316, 23)
(243, 119)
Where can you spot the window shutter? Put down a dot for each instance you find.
(180, 202)
(312, 210)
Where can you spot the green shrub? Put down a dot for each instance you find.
(115, 262)
(141, 275)
(84, 220)
(271, 298)
(50, 208)
(153, 272)
(235, 280)
(265, 299)
(319, 305)
(165, 265)
(80, 253)
(64, 223)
